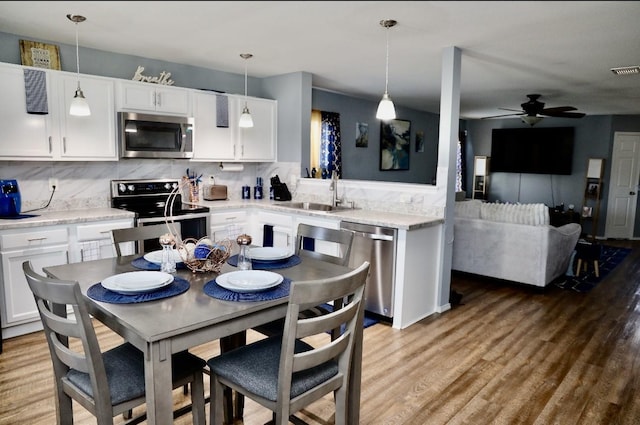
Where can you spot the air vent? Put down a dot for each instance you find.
(626, 70)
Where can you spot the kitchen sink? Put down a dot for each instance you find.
(313, 206)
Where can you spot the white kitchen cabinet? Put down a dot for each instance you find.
(257, 143)
(212, 143)
(228, 225)
(57, 135)
(324, 247)
(282, 226)
(94, 240)
(44, 246)
(148, 97)
(92, 137)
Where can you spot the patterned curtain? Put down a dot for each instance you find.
(330, 144)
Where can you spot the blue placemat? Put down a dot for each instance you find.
(214, 290)
(99, 293)
(141, 263)
(294, 260)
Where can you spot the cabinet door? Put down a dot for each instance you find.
(19, 306)
(149, 97)
(211, 143)
(23, 135)
(257, 143)
(229, 225)
(92, 137)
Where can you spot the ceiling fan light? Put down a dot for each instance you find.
(79, 106)
(386, 109)
(531, 120)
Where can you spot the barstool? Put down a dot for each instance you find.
(588, 252)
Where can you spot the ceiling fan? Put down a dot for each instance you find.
(533, 111)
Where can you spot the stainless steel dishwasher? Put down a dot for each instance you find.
(377, 245)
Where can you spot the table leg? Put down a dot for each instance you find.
(157, 373)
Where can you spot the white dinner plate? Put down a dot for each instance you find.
(137, 282)
(269, 253)
(249, 280)
(156, 256)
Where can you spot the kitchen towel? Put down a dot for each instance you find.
(222, 111)
(90, 250)
(267, 235)
(35, 88)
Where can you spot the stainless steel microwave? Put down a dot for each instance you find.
(155, 136)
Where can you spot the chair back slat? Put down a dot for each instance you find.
(142, 233)
(344, 238)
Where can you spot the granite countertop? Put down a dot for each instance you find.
(51, 218)
(376, 218)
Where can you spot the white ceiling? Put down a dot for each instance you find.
(561, 49)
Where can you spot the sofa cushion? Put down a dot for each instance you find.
(532, 214)
(468, 209)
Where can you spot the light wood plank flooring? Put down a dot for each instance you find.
(508, 355)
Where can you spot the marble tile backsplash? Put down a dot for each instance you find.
(88, 184)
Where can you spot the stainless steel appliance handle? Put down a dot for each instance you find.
(374, 236)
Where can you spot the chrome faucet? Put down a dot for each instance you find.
(334, 188)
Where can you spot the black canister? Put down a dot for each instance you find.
(257, 192)
(246, 192)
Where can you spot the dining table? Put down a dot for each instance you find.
(160, 328)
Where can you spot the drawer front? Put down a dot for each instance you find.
(32, 239)
(275, 219)
(228, 217)
(98, 231)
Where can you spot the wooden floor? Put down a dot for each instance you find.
(507, 355)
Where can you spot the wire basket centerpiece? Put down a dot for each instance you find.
(199, 255)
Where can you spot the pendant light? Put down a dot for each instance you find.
(245, 119)
(79, 106)
(386, 110)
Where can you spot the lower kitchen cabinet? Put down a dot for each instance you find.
(278, 227)
(228, 225)
(43, 246)
(94, 240)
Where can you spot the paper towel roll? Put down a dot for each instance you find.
(230, 166)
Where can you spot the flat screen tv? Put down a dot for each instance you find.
(532, 150)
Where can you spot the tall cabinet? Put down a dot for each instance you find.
(592, 197)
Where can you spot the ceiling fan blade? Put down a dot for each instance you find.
(564, 114)
(505, 115)
(558, 109)
(509, 109)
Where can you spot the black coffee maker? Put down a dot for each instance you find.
(10, 202)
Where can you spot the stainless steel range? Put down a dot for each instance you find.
(147, 198)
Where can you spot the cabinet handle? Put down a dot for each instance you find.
(64, 145)
(230, 218)
(158, 99)
(50, 145)
(242, 151)
(36, 239)
(105, 231)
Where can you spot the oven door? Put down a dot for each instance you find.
(195, 226)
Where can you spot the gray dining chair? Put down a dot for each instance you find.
(284, 373)
(306, 239)
(105, 383)
(140, 234)
(308, 235)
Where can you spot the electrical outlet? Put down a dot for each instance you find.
(53, 182)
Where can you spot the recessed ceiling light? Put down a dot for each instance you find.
(626, 70)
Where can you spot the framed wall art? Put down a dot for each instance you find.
(39, 55)
(395, 144)
(362, 135)
(419, 141)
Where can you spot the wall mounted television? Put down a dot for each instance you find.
(545, 150)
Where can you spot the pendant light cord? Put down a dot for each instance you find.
(77, 57)
(245, 82)
(386, 80)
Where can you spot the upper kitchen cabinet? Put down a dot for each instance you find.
(55, 135)
(92, 137)
(147, 97)
(214, 142)
(257, 143)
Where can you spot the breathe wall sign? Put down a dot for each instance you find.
(163, 78)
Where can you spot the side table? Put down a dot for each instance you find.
(588, 252)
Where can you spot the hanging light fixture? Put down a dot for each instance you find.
(386, 110)
(79, 106)
(245, 119)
